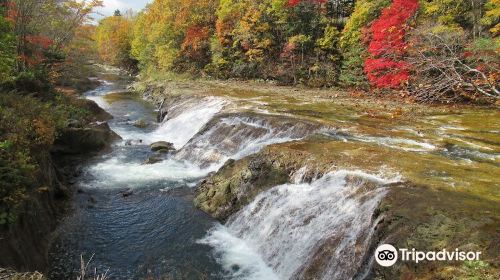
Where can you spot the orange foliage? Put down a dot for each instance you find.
(195, 40)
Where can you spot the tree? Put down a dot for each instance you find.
(157, 38)
(353, 41)
(113, 37)
(385, 67)
(197, 20)
(43, 28)
(7, 48)
(491, 18)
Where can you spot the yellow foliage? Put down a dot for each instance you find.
(113, 37)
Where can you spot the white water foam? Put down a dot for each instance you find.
(118, 173)
(398, 143)
(237, 136)
(181, 128)
(286, 225)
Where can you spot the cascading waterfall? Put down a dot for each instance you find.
(190, 118)
(201, 151)
(237, 136)
(284, 233)
(287, 229)
(185, 120)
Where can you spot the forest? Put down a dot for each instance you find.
(431, 50)
(43, 53)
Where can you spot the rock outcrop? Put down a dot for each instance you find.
(410, 215)
(24, 243)
(238, 182)
(87, 140)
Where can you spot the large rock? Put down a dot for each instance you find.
(162, 146)
(87, 140)
(98, 114)
(238, 182)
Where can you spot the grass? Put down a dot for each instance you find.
(86, 271)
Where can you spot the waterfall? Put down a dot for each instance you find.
(205, 137)
(236, 136)
(184, 120)
(324, 226)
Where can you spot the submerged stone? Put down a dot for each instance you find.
(127, 192)
(153, 160)
(140, 123)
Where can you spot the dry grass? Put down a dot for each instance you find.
(7, 274)
(84, 271)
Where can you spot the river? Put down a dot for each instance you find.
(137, 220)
(151, 233)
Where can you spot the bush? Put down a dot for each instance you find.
(28, 129)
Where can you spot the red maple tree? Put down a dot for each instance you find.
(385, 67)
(32, 46)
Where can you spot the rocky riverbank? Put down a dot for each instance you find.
(25, 242)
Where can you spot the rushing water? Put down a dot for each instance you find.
(151, 233)
(155, 231)
(284, 227)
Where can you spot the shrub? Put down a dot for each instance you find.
(28, 129)
(448, 68)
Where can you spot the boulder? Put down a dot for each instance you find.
(98, 114)
(153, 160)
(91, 139)
(162, 146)
(140, 124)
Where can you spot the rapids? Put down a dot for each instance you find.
(278, 234)
(155, 230)
(138, 221)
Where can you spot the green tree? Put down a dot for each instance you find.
(491, 18)
(354, 49)
(157, 36)
(7, 49)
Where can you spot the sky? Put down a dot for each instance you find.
(111, 5)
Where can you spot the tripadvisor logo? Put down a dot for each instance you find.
(387, 255)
